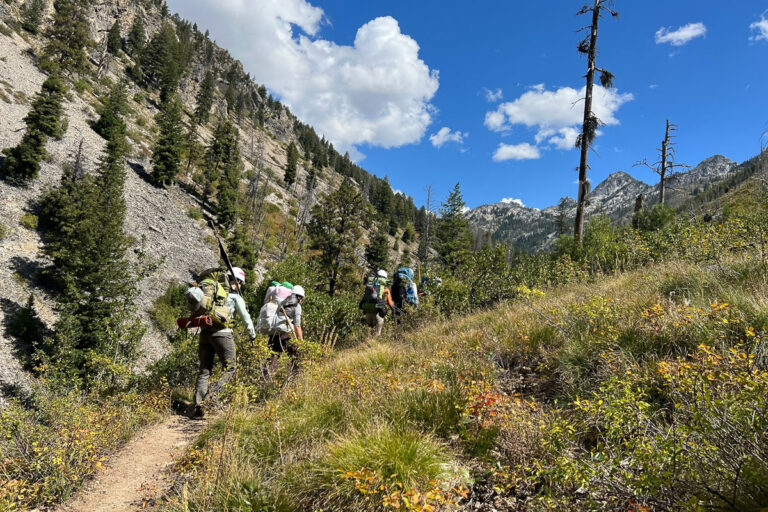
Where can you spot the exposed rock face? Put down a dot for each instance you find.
(157, 219)
(535, 230)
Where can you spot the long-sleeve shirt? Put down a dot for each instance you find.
(236, 305)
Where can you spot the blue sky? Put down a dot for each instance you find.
(499, 78)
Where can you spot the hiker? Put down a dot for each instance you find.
(281, 320)
(404, 292)
(376, 301)
(218, 339)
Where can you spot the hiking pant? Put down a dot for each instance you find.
(279, 344)
(375, 321)
(212, 344)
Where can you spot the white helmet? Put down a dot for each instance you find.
(382, 273)
(298, 290)
(239, 274)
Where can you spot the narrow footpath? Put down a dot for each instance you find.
(139, 473)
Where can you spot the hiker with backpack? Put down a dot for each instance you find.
(404, 292)
(280, 318)
(214, 303)
(376, 301)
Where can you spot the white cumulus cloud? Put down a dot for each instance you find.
(761, 29)
(376, 91)
(524, 151)
(556, 115)
(446, 135)
(510, 200)
(494, 95)
(680, 36)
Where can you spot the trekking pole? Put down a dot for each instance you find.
(223, 253)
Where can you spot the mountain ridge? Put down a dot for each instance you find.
(536, 229)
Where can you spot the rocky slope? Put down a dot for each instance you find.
(159, 220)
(533, 229)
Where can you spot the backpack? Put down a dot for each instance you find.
(209, 298)
(272, 320)
(402, 287)
(372, 301)
(412, 295)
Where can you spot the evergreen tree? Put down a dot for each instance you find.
(69, 37)
(112, 112)
(377, 252)
(205, 98)
(87, 245)
(160, 62)
(166, 155)
(114, 39)
(47, 112)
(219, 162)
(22, 162)
(137, 38)
(453, 230)
(229, 186)
(335, 230)
(32, 15)
(290, 168)
(45, 119)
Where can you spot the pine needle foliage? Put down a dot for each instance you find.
(336, 228)
(69, 37)
(114, 39)
(32, 16)
(45, 119)
(167, 152)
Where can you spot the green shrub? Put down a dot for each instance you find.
(4, 231)
(195, 212)
(168, 307)
(29, 221)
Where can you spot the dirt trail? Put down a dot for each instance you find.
(137, 474)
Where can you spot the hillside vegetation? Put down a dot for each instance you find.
(625, 371)
(639, 384)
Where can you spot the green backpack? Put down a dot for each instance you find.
(215, 287)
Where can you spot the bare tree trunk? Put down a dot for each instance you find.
(663, 173)
(587, 127)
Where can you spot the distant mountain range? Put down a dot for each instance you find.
(532, 229)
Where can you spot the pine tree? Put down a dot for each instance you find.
(114, 39)
(229, 186)
(22, 162)
(290, 168)
(160, 62)
(377, 252)
(219, 161)
(114, 108)
(205, 98)
(45, 119)
(87, 245)
(453, 230)
(335, 230)
(166, 155)
(47, 113)
(137, 38)
(32, 15)
(69, 37)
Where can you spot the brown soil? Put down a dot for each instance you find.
(139, 473)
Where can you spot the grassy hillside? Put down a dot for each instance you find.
(643, 391)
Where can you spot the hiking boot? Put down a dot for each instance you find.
(197, 413)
